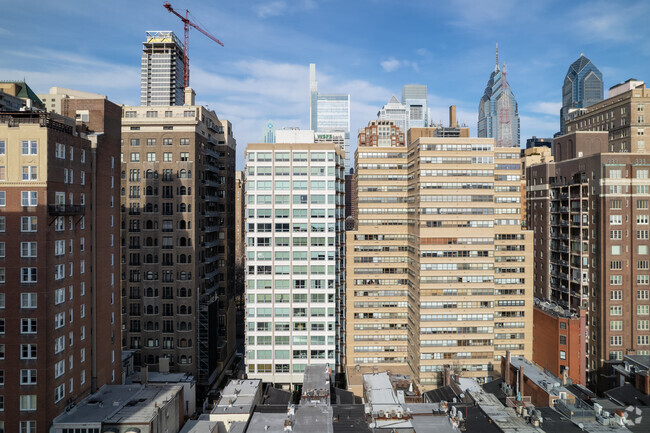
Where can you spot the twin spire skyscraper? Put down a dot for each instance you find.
(498, 111)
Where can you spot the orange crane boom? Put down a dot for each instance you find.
(187, 23)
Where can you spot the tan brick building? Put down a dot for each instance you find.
(622, 115)
(59, 261)
(438, 269)
(178, 237)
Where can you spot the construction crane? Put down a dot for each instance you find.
(187, 23)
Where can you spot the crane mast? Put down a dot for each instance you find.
(186, 24)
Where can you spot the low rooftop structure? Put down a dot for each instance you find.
(316, 385)
(149, 408)
(237, 402)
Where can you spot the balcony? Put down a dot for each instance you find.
(66, 209)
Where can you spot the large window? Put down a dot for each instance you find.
(29, 198)
(29, 147)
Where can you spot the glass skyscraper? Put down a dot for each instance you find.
(583, 86)
(395, 111)
(161, 80)
(498, 111)
(329, 113)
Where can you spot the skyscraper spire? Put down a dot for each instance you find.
(497, 55)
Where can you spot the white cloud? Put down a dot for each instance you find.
(280, 7)
(551, 108)
(392, 64)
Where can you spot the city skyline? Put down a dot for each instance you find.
(256, 76)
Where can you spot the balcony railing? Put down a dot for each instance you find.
(66, 209)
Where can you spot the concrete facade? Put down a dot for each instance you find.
(294, 258)
(438, 269)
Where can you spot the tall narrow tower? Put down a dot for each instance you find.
(161, 77)
(504, 108)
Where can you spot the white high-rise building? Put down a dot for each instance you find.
(329, 113)
(414, 97)
(294, 220)
(161, 79)
(395, 111)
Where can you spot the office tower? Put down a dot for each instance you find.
(240, 233)
(329, 113)
(589, 211)
(294, 258)
(414, 99)
(59, 261)
(268, 133)
(395, 111)
(583, 87)
(161, 78)
(178, 237)
(498, 111)
(438, 267)
(622, 115)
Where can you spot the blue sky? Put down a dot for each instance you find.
(368, 48)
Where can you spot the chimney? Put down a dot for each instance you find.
(506, 368)
(452, 116)
(446, 375)
(521, 380)
(189, 96)
(565, 376)
(144, 375)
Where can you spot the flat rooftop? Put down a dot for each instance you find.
(505, 418)
(199, 426)
(541, 378)
(120, 404)
(239, 396)
(316, 384)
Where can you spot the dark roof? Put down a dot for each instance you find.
(643, 360)
(445, 393)
(581, 392)
(628, 395)
(494, 387)
(349, 418)
(343, 396)
(555, 422)
(275, 396)
(476, 421)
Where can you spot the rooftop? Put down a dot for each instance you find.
(120, 404)
(239, 396)
(316, 384)
(538, 376)
(199, 426)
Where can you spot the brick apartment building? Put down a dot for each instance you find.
(59, 260)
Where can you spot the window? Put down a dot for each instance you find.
(29, 198)
(3, 172)
(135, 157)
(615, 310)
(28, 224)
(28, 300)
(151, 156)
(28, 275)
(29, 147)
(28, 326)
(167, 157)
(3, 199)
(185, 142)
(616, 234)
(27, 402)
(28, 249)
(30, 172)
(28, 426)
(60, 151)
(27, 351)
(616, 340)
(2, 147)
(185, 156)
(643, 310)
(616, 219)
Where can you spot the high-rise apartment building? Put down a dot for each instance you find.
(498, 111)
(395, 111)
(583, 86)
(589, 212)
(161, 77)
(329, 113)
(294, 258)
(414, 99)
(438, 269)
(622, 115)
(59, 293)
(178, 238)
